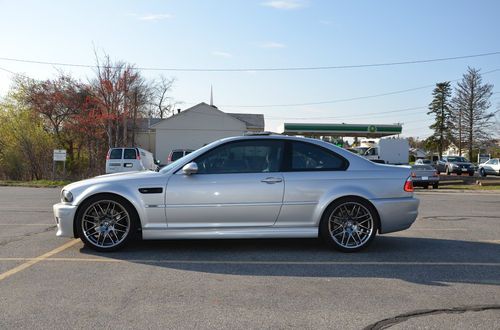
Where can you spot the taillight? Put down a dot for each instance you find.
(138, 157)
(107, 156)
(138, 154)
(408, 185)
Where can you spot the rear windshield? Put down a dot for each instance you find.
(129, 154)
(115, 154)
(177, 155)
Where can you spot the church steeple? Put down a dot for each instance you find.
(211, 96)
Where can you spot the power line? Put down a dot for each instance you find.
(306, 68)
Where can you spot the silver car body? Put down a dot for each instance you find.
(492, 166)
(171, 204)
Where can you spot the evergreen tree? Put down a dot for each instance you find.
(441, 109)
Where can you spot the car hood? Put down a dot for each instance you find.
(115, 177)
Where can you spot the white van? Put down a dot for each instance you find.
(129, 159)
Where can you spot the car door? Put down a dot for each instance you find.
(238, 184)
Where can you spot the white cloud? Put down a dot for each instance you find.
(154, 17)
(272, 44)
(221, 54)
(285, 4)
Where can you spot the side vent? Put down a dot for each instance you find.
(150, 190)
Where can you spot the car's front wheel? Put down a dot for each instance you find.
(482, 172)
(349, 224)
(106, 222)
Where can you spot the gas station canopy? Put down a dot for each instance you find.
(343, 130)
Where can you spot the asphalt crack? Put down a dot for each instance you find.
(22, 237)
(389, 322)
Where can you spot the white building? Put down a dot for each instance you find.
(200, 125)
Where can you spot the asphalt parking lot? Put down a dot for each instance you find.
(444, 272)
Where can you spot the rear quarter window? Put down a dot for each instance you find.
(310, 157)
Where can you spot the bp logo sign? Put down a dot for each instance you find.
(372, 129)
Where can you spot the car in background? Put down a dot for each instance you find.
(177, 154)
(421, 161)
(129, 159)
(244, 187)
(424, 176)
(454, 164)
(491, 167)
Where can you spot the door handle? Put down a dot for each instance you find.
(271, 180)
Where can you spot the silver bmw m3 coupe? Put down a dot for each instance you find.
(262, 186)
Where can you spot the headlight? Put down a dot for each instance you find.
(454, 165)
(66, 196)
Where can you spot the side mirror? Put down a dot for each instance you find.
(157, 162)
(191, 168)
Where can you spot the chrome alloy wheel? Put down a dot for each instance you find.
(105, 223)
(351, 225)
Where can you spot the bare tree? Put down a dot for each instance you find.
(163, 103)
(472, 122)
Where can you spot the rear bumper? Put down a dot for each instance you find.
(396, 213)
(420, 182)
(64, 216)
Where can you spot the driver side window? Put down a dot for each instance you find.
(253, 156)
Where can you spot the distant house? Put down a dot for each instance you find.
(200, 125)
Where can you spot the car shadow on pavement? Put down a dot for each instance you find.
(425, 261)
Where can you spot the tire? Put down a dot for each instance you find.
(435, 186)
(471, 174)
(447, 171)
(426, 186)
(482, 173)
(106, 222)
(346, 216)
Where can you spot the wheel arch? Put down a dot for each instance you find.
(352, 197)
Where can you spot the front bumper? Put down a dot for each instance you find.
(64, 215)
(396, 213)
(460, 171)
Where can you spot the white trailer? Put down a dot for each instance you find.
(390, 151)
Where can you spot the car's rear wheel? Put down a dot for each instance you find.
(482, 172)
(435, 186)
(106, 222)
(349, 224)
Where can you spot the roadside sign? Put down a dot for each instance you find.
(59, 155)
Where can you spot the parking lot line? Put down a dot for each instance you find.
(251, 262)
(32, 261)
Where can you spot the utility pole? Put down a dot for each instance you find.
(460, 132)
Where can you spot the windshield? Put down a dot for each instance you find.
(457, 159)
(179, 161)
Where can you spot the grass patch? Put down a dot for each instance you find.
(35, 183)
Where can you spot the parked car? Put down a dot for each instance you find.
(492, 167)
(270, 186)
(421, 161)
(177, 154)
(129, 159)
(454, 164)
(424, 176)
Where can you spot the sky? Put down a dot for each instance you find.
(262, 34)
